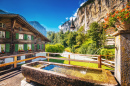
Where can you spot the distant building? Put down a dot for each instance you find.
(68, 26)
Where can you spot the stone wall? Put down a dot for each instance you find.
(122, 57)
(97, 11)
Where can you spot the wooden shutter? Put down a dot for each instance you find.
(7, 47)
(37, 46)
(25, 47)
(7, 34)
(42, 46)
(17, 35)
(16, 47)
(25, 36)
(32, 46)
(31, 37)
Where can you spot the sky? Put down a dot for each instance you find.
(49, 13)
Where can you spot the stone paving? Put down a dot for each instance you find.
(12, 78)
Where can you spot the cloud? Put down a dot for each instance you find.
(66, 18)
(74, 15)
(59, 27)
(82, 4)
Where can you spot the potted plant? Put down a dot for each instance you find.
(119, 18)
(21, 50)
(2, 50)
(29, 49)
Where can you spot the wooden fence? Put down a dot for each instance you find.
(98, 61)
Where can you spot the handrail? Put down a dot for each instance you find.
(98, 61)
(70, 54)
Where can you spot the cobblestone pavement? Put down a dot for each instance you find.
(12, 78)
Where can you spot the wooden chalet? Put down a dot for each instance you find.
(17, 36)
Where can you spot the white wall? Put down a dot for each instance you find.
(7, 60)
(39, 54)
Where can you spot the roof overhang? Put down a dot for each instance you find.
(21, 20)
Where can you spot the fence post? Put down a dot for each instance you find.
(69, 59)
(48, 58)
(99, 61)
(15, 59)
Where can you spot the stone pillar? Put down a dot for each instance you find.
(122, 57)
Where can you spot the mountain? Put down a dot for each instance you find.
(96, 10)
(39, 27)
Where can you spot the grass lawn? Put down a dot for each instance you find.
(93, 65)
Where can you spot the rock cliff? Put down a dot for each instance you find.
(96, 10)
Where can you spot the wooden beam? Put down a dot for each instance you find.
(5, 64)
(14, 22)
(15, 60)
(69, 58)
(72, 59)
(48, 58)
(99, 62)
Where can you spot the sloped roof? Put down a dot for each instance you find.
(24, 21)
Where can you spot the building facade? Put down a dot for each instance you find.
(17, 36)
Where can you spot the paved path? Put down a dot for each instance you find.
(78, 57)
(12, 78)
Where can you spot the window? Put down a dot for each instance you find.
(20, 47)
(29, 37)
(20, 36)
(1, 25)
(2, 48)
(18, 57)
(29, 46)
(2, 34)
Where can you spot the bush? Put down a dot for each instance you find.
(89, 47)
(105, 51)
(83, 49)
(68, 49)
(54, 48)
(73, 49)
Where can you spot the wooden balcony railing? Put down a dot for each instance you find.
(98, 61)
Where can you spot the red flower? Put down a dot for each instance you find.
(117, 26)
(122, 22)
(116, 12)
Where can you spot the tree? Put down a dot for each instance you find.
(94, 33)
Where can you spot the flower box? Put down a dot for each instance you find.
(21, 50)
(122, 26)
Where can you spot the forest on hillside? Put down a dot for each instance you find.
(79, 42)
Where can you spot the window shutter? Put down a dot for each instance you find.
(25, 47)
(25, 36)
(32, 46)
(32, 37)
(17, 35)
(7, 34)
(7, 48)
(16, 47)
(42, 46)
(37, 46)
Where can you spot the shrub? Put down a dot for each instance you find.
(89, 47)
(73, 49)
(105, 51)
(54, 48)
(68, 49)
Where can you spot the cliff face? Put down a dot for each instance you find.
(39, 27)
(97, 10)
